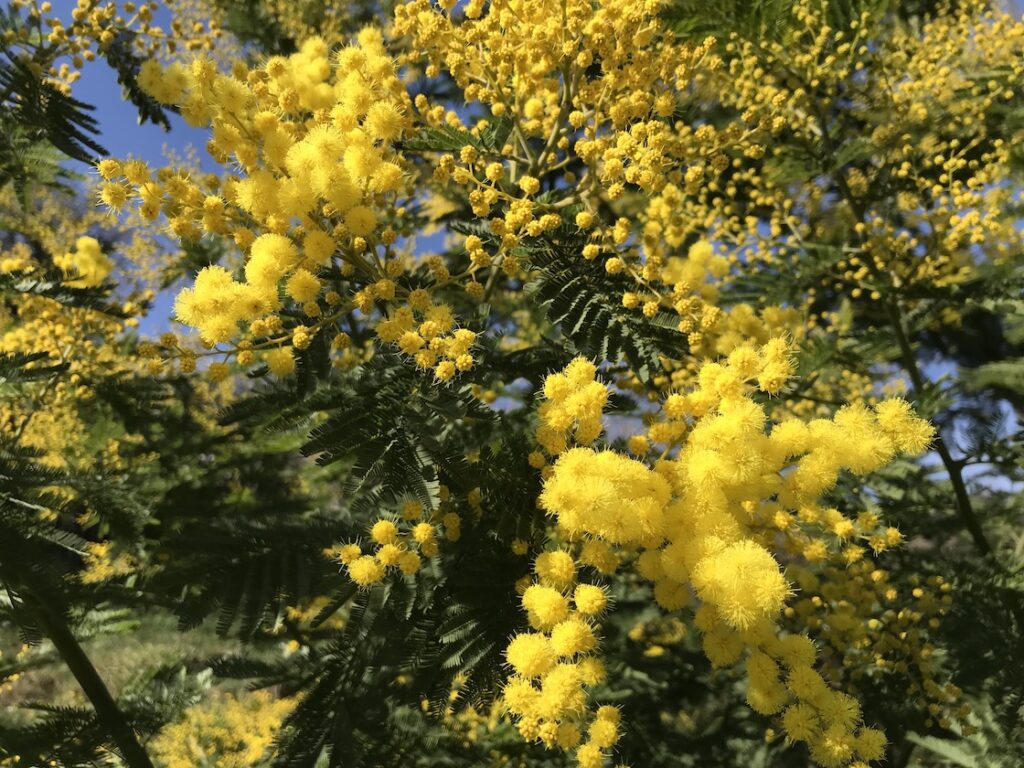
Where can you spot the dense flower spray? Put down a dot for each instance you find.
(703, 527)
(316, 208)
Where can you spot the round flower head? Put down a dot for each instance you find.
(545, 606)
(590, 599)
(530, 654)
(556, 569)
(365, 570)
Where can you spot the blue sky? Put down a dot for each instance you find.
(122, 136)
(120, 131)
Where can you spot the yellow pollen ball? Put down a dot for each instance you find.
(302, 286)
(531, 655)
(384, 532)
(590, 599)
(360, 221)
(365, 571)
(281, 361)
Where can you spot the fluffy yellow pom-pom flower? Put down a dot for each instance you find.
(530, 654)
(281, 361)
(590, 599)
(571, 637)
(743, 581)
(365, 570)
(545, 606)
(384, 532)
(556, 569)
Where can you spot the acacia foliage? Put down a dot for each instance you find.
(842, 176)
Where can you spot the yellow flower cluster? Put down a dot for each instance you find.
(573, 403)
(399, 544)
(690, 287)
(54, 417)
(531, 63)
(701, 525)
(426, 331)
(87, 261)
(200, 26)
(74, 34)
(871, 626)
(101, 564)
(315, 210)
(554, 664)
(313, 134)
(924, 192)
(232, 731)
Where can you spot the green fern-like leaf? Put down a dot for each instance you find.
(585, 303)
(55, 288)
(22, 367)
